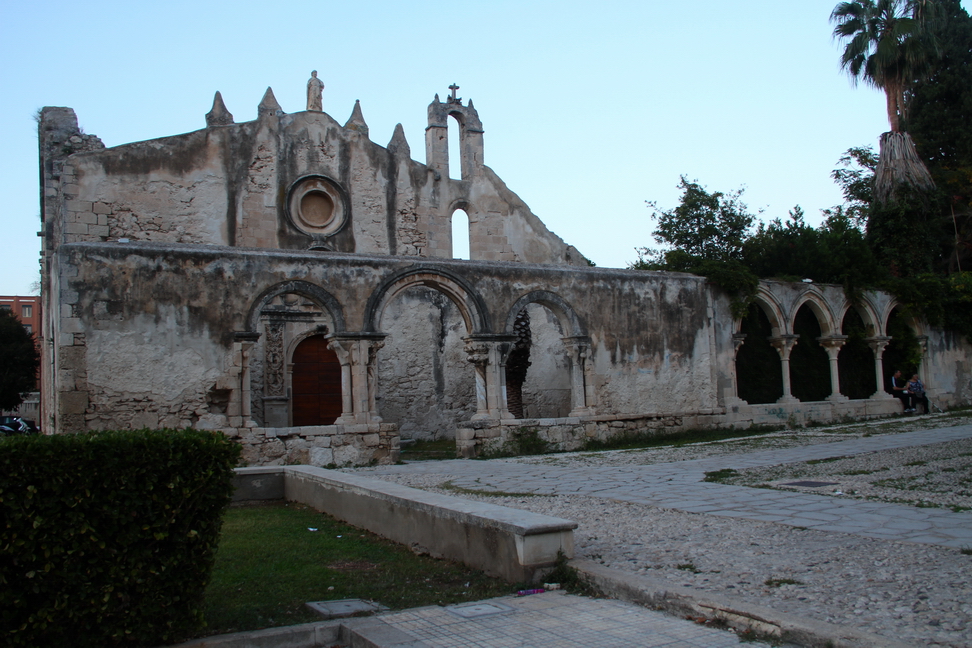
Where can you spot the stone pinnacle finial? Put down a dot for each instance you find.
(218, 116)
(437, 100)
(356, 122)
(268, 105)
(398, 146)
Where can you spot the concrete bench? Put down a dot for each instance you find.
(511, 544)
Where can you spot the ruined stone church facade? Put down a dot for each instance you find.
(292, 283)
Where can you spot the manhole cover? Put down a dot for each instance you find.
(345, 608)
(473, 610)
(811, 484)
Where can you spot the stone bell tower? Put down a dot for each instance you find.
(470, 135)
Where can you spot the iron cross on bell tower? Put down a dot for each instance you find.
(454, 99)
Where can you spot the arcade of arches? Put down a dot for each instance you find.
(805, 356)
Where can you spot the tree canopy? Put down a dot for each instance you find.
(888, 43)
(18, 361)
(707, 226)
(939, 118)
(916, 241)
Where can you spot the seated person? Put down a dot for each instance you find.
(899, 389)
(917, 390)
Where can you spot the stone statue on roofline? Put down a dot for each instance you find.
(315, 88)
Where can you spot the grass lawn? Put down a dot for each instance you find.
(270, 563)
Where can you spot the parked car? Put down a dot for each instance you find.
(16, 425)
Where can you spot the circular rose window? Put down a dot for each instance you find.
(316, 206)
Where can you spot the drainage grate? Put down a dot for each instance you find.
(811, 484)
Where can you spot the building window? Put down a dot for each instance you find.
(29, 328)
(27, 310)
(6, 307)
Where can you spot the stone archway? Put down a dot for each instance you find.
(560, 379)
(433, 325)
(316, 397)
(281, 317)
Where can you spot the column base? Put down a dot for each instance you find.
(837, 398)
(786, 400)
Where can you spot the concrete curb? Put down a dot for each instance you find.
(683, 601)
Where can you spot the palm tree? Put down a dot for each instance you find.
(890, 44)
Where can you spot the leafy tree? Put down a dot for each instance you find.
(836, 252)
(707, 226)
(939, 114)
(855, 175)
(888, 43)
(706, 234)
(18, 361)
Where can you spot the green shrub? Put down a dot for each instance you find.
(108, 538)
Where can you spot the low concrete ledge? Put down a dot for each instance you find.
(360, 633)
(684, 601)
(511, 544)
(307, 635)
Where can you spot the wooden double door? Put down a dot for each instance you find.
(315, 383)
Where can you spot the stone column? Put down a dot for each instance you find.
(922, 372)
(784, 345)
(581, 398)
(246, 340)
(488, 353)
(878, 344)
(738, 339)
(358, 355)
(832, 346)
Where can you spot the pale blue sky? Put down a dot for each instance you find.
(590, 109)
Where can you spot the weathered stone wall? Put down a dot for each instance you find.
(426, 382)
(159, 327)
(150, 335)
(181, 273)
(546, 389)
(234, 185)
(319, 445)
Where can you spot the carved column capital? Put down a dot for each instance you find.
(878, 344)
(784, 344)
(832, 344)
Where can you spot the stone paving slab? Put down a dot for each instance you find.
(679, 486)
(557, 619)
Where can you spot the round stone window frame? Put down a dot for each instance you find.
(303, 218)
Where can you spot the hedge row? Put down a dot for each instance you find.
(108, 538)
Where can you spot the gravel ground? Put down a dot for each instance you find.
(919, 594)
